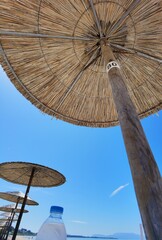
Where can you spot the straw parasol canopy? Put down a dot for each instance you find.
(6, 216)
(2, 224)
(16, 196)
(20, 172)
(51, 52)
(10, 208)
(6, 219)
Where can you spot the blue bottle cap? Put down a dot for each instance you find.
(56, 209)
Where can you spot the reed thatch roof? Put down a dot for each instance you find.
(17, 196)
(11, 207)
(2, 224)
(5, 219)
(20, 172)
(7, 215)
(51, 52)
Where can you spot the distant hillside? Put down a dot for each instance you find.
(26, 232)
(120, 236)
(93, 236)
(103, 236)
(127, 236)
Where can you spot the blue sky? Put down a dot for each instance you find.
(93, 161)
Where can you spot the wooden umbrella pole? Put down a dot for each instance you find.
(145, 173)
(23, 204)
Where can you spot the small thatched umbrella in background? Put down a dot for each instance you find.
(8, 218)
(4, 216)
(16, 197)
(58, 55)
(2, 226)
(31, 175)
(9, 208)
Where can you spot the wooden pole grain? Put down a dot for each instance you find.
(145, 173)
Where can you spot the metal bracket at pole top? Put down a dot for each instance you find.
(111, 65)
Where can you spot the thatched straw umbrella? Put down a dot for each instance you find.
(2, 224)
(6, 216)
(95, 63)
(9, 208)
(16, 197)
(29, 174)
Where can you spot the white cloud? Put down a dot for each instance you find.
(77, 221)
(118, 190)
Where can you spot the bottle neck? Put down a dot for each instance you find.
(56, 215)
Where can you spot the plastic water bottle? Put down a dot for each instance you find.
(53, 228)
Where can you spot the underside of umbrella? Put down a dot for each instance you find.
(51, 52)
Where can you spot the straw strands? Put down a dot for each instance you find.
(57, 63)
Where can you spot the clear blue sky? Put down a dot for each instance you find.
(93, 161)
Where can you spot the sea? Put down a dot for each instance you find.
(76, 238)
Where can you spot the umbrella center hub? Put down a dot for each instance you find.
(103, 41)
(87, 27)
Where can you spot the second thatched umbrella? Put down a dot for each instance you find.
(95, 63)
(17, 197)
